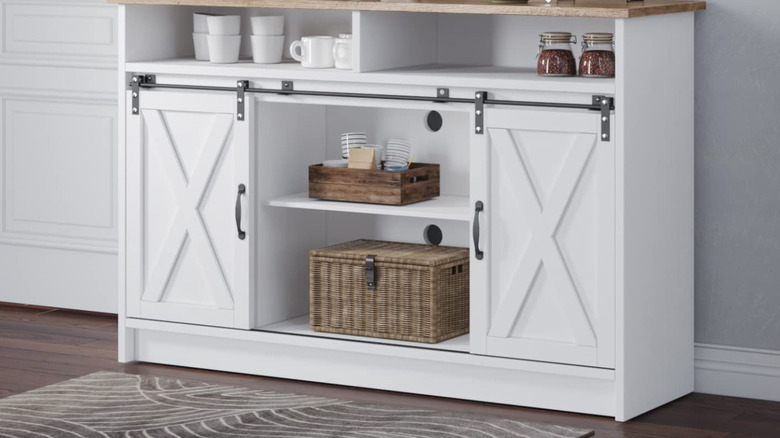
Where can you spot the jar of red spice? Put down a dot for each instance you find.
(555, 57)
(598, 56)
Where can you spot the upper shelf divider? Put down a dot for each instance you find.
(557, 8)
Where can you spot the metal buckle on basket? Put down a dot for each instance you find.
(371, 272)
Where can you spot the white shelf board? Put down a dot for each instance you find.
(472, 77)
(455, 208)
(496, 77)
(300, 326)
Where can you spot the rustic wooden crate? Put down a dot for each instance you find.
(421, 292)
(370, 186)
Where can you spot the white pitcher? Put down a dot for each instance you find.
(342, 51)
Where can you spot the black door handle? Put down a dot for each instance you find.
(241, 191)
(478, 208)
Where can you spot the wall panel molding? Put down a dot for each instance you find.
(59, 30)
(21, 77)
(57, 245)
(60, 63)
(59, 180)
(63, 95)
(84, 280)
(737, 371)
(58, 146)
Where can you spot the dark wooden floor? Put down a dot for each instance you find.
(39, 347)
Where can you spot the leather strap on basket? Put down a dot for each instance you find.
(371, 272)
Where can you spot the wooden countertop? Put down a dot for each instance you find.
(559, 8)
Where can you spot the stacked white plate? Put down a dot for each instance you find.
(352, 140)
(398, 153)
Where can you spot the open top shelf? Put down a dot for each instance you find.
(472, 77)
(454, 208)
(559, 8)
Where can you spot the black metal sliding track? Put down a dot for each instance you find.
(188, 87)
(603, 104)
(283, 91)
(585, 106)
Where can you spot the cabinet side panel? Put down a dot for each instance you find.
(126, 336)
(288, 138)
(655, 226)
(394, 40)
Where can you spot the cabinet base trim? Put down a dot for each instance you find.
(420, 372)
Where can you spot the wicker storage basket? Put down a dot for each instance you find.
(420, 292)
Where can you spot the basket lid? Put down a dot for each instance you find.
(393, 252)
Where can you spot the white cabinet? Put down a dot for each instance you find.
(188, 192)
(586, 241)
(545, 288)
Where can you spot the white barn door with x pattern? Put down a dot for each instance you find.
(545, 288)
(188, 177)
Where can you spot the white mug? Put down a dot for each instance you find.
(342, 51)
(316, 51)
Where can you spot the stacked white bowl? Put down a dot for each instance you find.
(200, 32)
(398, 153)
(352, 140)
(224, 38)
(267, 39)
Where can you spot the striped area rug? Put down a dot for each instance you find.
(128, 406)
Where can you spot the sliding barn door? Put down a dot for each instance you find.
(545, 288)
(189, 196)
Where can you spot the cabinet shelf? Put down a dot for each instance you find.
(454, 208)
(434, 75)
(300, 326)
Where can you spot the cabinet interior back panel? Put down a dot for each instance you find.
(343, 227)
(168, 30)
(288, 138)
(311, 133)
(448, 147)
(293, 136)
(504, 41)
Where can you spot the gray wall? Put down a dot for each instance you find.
(738, 173)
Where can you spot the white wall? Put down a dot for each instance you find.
(58, 223)
(737, 200)
(738, 173)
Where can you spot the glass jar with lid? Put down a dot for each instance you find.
(555, 57)
(598, 55)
